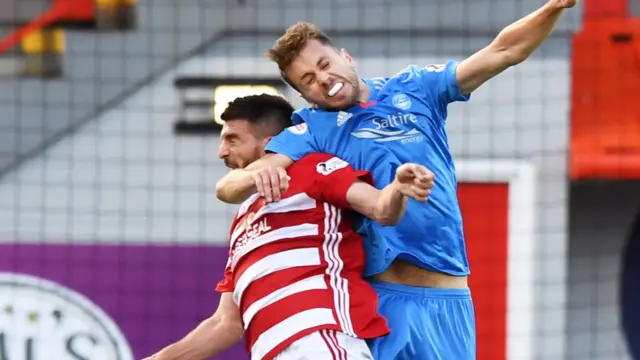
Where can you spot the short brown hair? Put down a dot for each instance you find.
(289, 45)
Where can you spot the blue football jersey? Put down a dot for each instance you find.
(404, 121)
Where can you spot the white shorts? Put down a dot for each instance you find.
(326, 345)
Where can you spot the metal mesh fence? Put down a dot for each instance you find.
(111, 236)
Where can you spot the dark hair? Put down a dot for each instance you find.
(269, 114)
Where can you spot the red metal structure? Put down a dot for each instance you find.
(605, 111)
(68, 11)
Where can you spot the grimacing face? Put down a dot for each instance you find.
(325, 77)
(240, 145)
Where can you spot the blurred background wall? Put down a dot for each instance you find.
(102, 192)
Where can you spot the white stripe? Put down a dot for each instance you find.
(289, 327)
(334, 267)
(326, 245)
(240, 228)
(379, 80)
(288, 232)
(272, 263)
(311, 283)
(333, 250)
(298, 202)
(346, 308)
(342, 353)
(328, 342)
(403, 71)
(245, 205)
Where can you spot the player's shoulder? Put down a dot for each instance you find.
(300, 115)
(298, 129)
(412, 71)
(309, 113)
(407, 72)
(299, 120)
(379, 82)
(311, 122)
(317, 164)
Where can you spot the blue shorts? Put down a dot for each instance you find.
(426, 324)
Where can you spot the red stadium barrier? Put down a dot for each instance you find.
(605, 131)
(61, 10)
(76, 10)
(487, 238)
(594, 9)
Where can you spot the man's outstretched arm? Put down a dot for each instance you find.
(214, 335)
(265, 176)
(338, 184)
(387, 206)
(513, 45)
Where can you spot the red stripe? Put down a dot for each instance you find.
(272, 248)
(273, 314)
(268, 284)
(343, 351)
(325, 337)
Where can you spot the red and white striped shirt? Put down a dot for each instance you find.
(295, 266)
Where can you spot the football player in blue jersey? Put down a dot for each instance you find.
(419, 268)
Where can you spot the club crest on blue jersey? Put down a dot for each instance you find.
(298, 129)
(436, 67)
(401, 101)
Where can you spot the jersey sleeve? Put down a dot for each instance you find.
(441, 82)
(437, 84)
(295, 142)
(333, 177)
(226, 284)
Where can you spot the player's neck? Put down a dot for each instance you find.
(365, 92)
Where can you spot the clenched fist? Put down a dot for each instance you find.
(564, 4)
(414, 181)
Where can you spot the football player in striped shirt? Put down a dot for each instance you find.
(293, 284)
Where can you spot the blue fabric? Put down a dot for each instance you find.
(404, 121)
(426, 324)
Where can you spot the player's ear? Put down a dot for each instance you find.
(345, 54)
(265, 141)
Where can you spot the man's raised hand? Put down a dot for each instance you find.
(271, 182)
